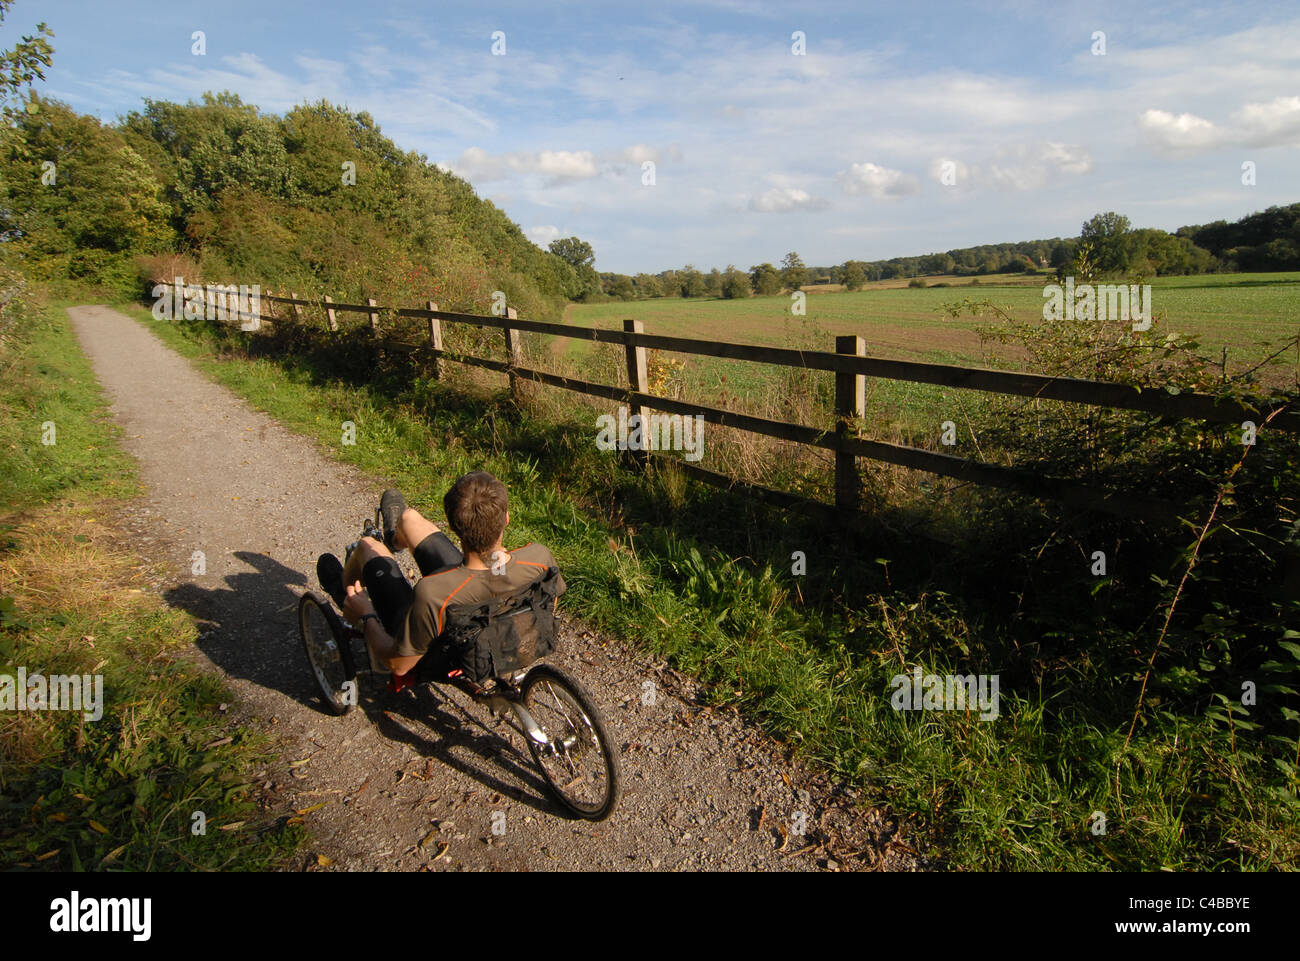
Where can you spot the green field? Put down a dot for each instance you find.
(1239, 313)
(1236, 311)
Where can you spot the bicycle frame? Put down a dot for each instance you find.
(504, 694)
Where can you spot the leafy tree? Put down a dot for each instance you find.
(765, 280)
(735, 283)
(98, 207)
(1112, 241)
(853, 276)
(648, 285)
(793, 272)
(212, 146)
(22, 64)
(1248, 244)
(578, 255)
(618, 285)
(713, 283)
(934, 264)
(575, 252)
(692, 282)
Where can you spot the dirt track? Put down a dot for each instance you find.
(413, 780)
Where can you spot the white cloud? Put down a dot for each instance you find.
(639, 153)
(1186, 131)
(1272, 124)
(876, 181)
(950, 172)
(1275, 123)
(780, 200)
(543, 235)
(475, 163)
(557, 166)
(1032, 166)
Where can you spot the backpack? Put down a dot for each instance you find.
(505, 634)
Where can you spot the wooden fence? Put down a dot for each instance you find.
(851, 366)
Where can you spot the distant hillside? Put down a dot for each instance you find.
(1264, 241)
(318, 201)
(1269, 240)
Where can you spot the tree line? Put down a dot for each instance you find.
(1268, 240)
(317, 200)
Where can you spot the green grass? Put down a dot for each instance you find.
(48, 381)
(703, 578)
(1237, 312)
(117, 793)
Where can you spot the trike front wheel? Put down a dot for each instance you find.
(325, 640)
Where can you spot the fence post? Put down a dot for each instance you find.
(297, 309)
(850, 402)
(435, 341)
(329, 313)
(512, 352)
(638, 380)
(374, 327)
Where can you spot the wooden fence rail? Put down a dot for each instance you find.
(851, 366)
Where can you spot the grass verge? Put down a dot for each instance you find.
(117, 792)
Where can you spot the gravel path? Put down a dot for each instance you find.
(413, 781)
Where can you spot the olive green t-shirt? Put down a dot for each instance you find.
(461, 585)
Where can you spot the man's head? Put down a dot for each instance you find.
(476, 508)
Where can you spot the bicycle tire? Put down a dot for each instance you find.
(590, 732)
(329, 653)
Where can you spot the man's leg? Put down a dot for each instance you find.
(412, 528)
(367, 549)
(373, 565)
(432, 549)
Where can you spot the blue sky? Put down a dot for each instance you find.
(837, 153)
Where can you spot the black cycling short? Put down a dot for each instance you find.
(391, 592)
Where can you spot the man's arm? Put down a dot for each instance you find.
(377, 639)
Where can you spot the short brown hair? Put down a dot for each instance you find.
(476, 510)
